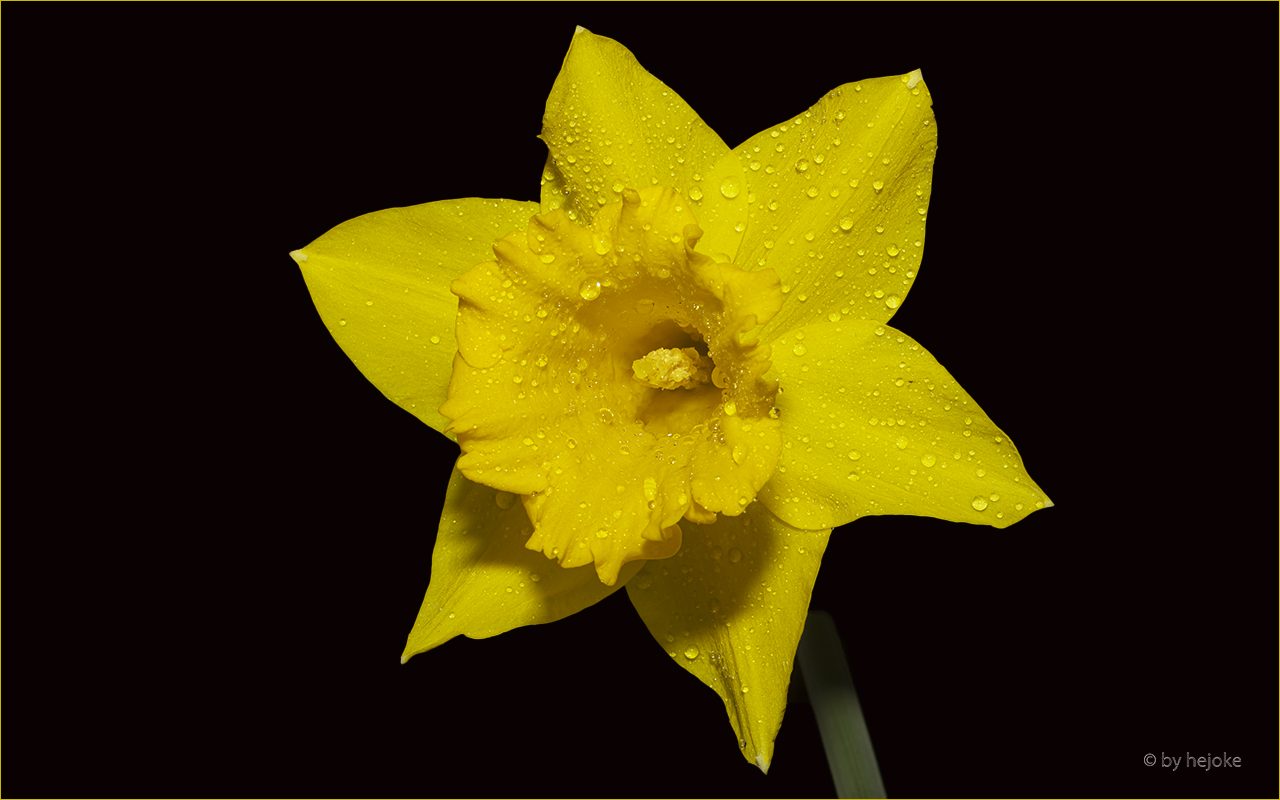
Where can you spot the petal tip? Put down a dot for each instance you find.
(762, 763)
(914, 77)
(579, 29)
(298, 256)
(404, 659)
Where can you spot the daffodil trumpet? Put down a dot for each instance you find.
(675, 372)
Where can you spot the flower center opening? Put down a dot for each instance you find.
(616, 409)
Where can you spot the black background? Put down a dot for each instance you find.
(250, 532)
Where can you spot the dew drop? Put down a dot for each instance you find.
(504, 499)
(730, 188)
(735, 555)
(801, 349)
(535, 577)
(644, 306)
(929, 460)
(589, 289)
(342, 322)
(739, 454)
(980, 503)
(878, 185)
(547, 258)
(901, 443)
(802, 165)
(695, 194)
(846, 223)
(691, 652)
(891, 301)
(435, 340)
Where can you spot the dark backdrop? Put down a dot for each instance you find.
(244, 525)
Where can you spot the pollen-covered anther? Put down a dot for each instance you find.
(672, 368)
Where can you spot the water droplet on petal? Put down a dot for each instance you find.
(730, 188)
(691, 652)
(980, 503)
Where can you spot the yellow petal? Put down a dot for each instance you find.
(840, 195)
(730, 607)
(485, 582)
(872, 424)
(610, 126)
(381, 285)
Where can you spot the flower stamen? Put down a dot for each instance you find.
(672, 368)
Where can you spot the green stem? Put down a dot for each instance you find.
(835, 703)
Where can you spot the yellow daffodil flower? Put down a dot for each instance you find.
(675, 373)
